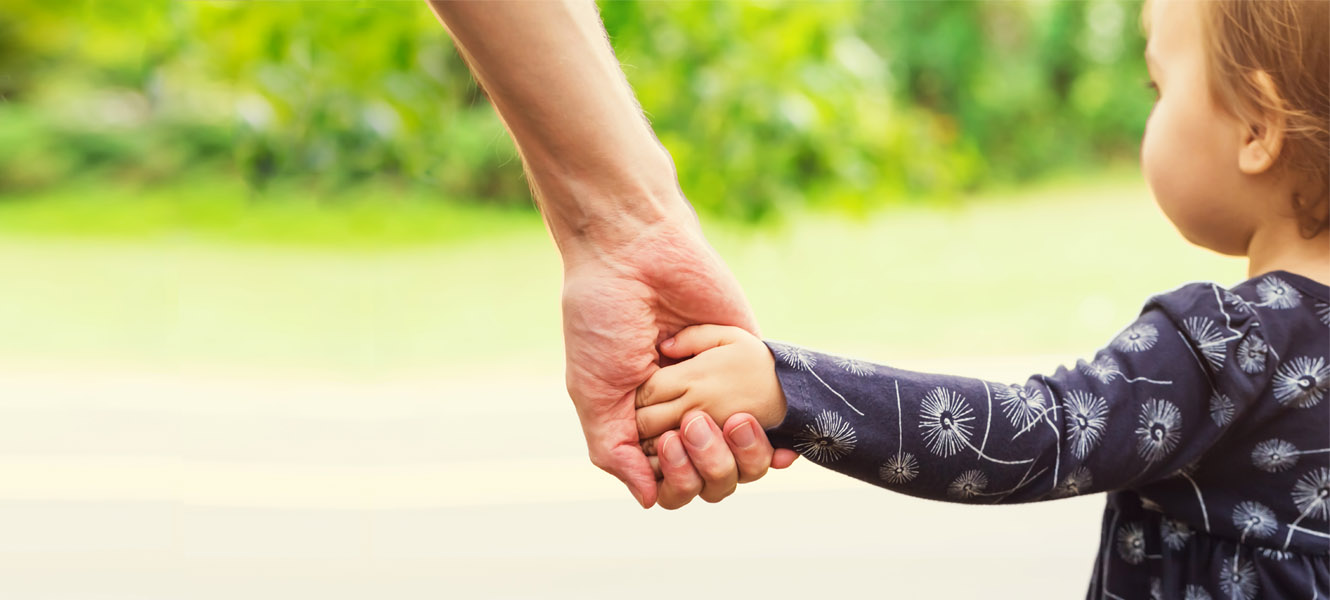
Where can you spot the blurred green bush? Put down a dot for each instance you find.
(763, 106)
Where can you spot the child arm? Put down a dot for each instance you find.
(1145, 407)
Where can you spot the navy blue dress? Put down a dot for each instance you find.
(1206, 421)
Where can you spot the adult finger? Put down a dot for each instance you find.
(752, 450)
(630, 465)
(657, 419)
(711, 457)
(680, 482)
(694, 340)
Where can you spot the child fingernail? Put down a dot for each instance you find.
(743, 435)
(697, 432)
(667, 343)
(673, 451)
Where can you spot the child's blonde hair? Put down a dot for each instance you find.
(1287, 39)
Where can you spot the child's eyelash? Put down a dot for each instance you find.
(1150, 84)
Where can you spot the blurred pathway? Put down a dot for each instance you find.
(119, 482)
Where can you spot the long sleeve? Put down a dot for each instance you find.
(1147, 406)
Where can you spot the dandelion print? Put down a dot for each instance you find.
(1209, 340)
(853, 366)
(968, 485)
(1156, 589)
(1251, 354)
(899, 469)
(945, 421)
(1254, 519)
(1323, 312)
(1273, 554)
(827, 439)
(1221, 409)
(1174, 533)
(1301, 382)
(1131, 543)
(1021, 405)
(1137, 338)
(1239, 304)
(1274, 455)
(1158, 433)
(1237, 579)
(1104, 368)
(1077, 482)
(796, 357)
(1195, 592)
(1311, 494)
(1086, 414)
(1277, 294)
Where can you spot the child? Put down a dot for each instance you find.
(1206, 419)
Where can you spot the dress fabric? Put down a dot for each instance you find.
(1206, 420)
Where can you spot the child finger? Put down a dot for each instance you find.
(694, 340)
(658, 418)
(666, 384)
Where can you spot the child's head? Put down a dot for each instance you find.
(1239, 139)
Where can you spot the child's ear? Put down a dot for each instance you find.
(1263, 135)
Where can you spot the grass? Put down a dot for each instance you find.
(380, 282)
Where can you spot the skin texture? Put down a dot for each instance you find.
(731, 371)
(1211, 173)
(636, 266)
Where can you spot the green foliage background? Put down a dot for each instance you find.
(764, 106)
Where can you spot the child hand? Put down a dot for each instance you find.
(730, 371)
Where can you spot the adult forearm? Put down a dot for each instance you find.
(594, 165)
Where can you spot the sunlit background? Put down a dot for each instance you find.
(278, 319)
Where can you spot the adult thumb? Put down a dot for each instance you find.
(697, 339)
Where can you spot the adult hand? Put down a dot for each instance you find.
(636, 267)
(620, 300)
(693, 464)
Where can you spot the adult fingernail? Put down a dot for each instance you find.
(698, 433)
(673, 451)
(743, 435)
(667, 344)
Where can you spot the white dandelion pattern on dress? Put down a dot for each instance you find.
(1104, 368)
(1174, 533)
(1302, 381)
(899, 469)
(1311, 494)
(1077, 482)
(827, 439)
(1138, 337)
(1254, 519)
(1237, 579)
(1156, 589)
(1022, 405)
(1131, 543)
(1159, 430)
(1086, 414)
(796, 357)
(1273, 554)
(967, 485)
(1208, 339)
(1323, 312)
(1251, 354)
(1274, 455)
(945, 419)
(1274, 293)
(1221, 409)
(1239, 303)
(853, 366)
(1196, 592)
